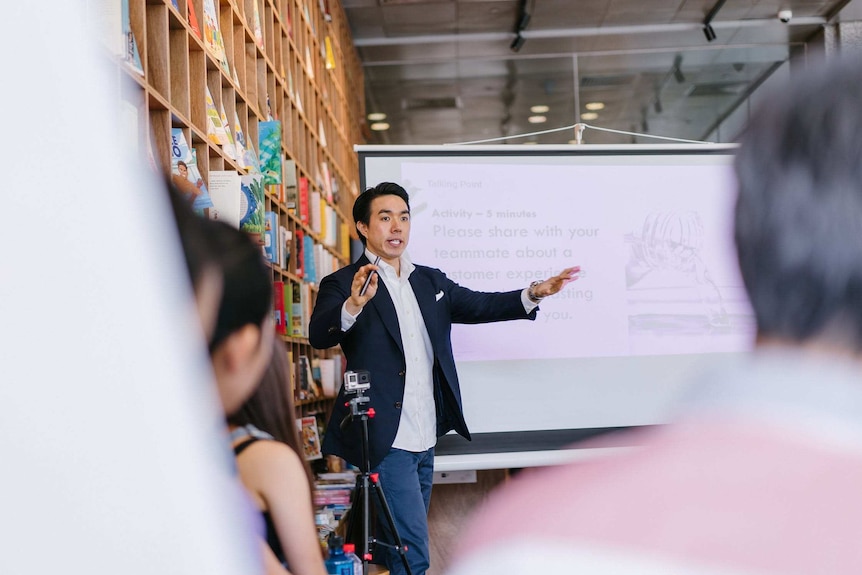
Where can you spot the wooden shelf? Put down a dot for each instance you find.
(285, 76)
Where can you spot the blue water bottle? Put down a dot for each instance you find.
(338, 563)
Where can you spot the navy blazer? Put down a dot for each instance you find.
(373, 343)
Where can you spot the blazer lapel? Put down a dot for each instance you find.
(382, 303)
(425, 296)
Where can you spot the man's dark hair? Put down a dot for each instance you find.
(798, 226)
(362, 205)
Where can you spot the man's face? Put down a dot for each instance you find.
(388, 229)
(184, 171)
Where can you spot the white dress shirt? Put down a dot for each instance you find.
(417, 430)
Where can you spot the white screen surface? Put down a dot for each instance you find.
(659, 299)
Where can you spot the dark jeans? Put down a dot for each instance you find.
(406, 480)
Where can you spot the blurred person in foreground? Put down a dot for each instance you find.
(272, 466)
(760, 473)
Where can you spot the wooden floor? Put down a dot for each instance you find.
(451, 506)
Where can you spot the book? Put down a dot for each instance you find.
(302, 200)
(330, 55)
(269, 142)
(131, 55)
(193, 19)
(297, 327)
(215, 128)
(298, 251)
(285, 238)
(229, 145)
(186, 177)
(213, 39)
(226, 192)
(258, 33)
(304, 378)
(278, 307)
(251, 204)
(309, 437)
(289, 177)
(270, 231)
(247, 156)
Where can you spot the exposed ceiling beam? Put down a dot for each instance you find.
(581, 32)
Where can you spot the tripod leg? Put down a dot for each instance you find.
(390, 522)
(364, 541)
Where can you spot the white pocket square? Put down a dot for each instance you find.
(439, 295)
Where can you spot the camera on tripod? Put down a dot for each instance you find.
(356, 381)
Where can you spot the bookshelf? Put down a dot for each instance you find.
(291, 61)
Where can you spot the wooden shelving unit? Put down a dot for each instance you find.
(301, 70)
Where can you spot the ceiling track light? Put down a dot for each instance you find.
(521, 23)
(517, 43)
(708, 31)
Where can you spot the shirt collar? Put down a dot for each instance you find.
(407, 265)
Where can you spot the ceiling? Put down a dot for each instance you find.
(446, 71)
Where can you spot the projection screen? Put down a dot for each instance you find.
(659, 298)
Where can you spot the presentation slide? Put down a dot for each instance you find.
(659, 295)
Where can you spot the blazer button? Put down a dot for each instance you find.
(397, 405)
(333, 329)
(401, 373)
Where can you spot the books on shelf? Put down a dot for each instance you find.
(251, 204)
(330, 54)
(213, 39)
(302, 200)
(215, 128)
(131, 55)
(229, 145)
(278, 307)
(226, 193)
(186, 177)
(297, 312)
(289, 176)
(247, 156)
(284, 241)
(193, 19)
(309, 437)
(258, 33)
(306, 385)
(269, 142)
(299, 256)
(270, 234)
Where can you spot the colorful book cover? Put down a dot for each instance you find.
(309, 435)
(308, 259)
(251, 204)
(215, 129)
(288, 304)
(258, 33)
(298, 250)
(186, 177)
(289, 176)
(285, 238)
(193, 19)
(229, 145)
(302, 200)
(278, 307)
(226, 192)
(131, 55)
(212, 33)
(270, 151)
(269, 236)
(248, 156)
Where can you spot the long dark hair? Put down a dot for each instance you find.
(271, 408)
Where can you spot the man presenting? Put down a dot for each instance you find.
(399, 329)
